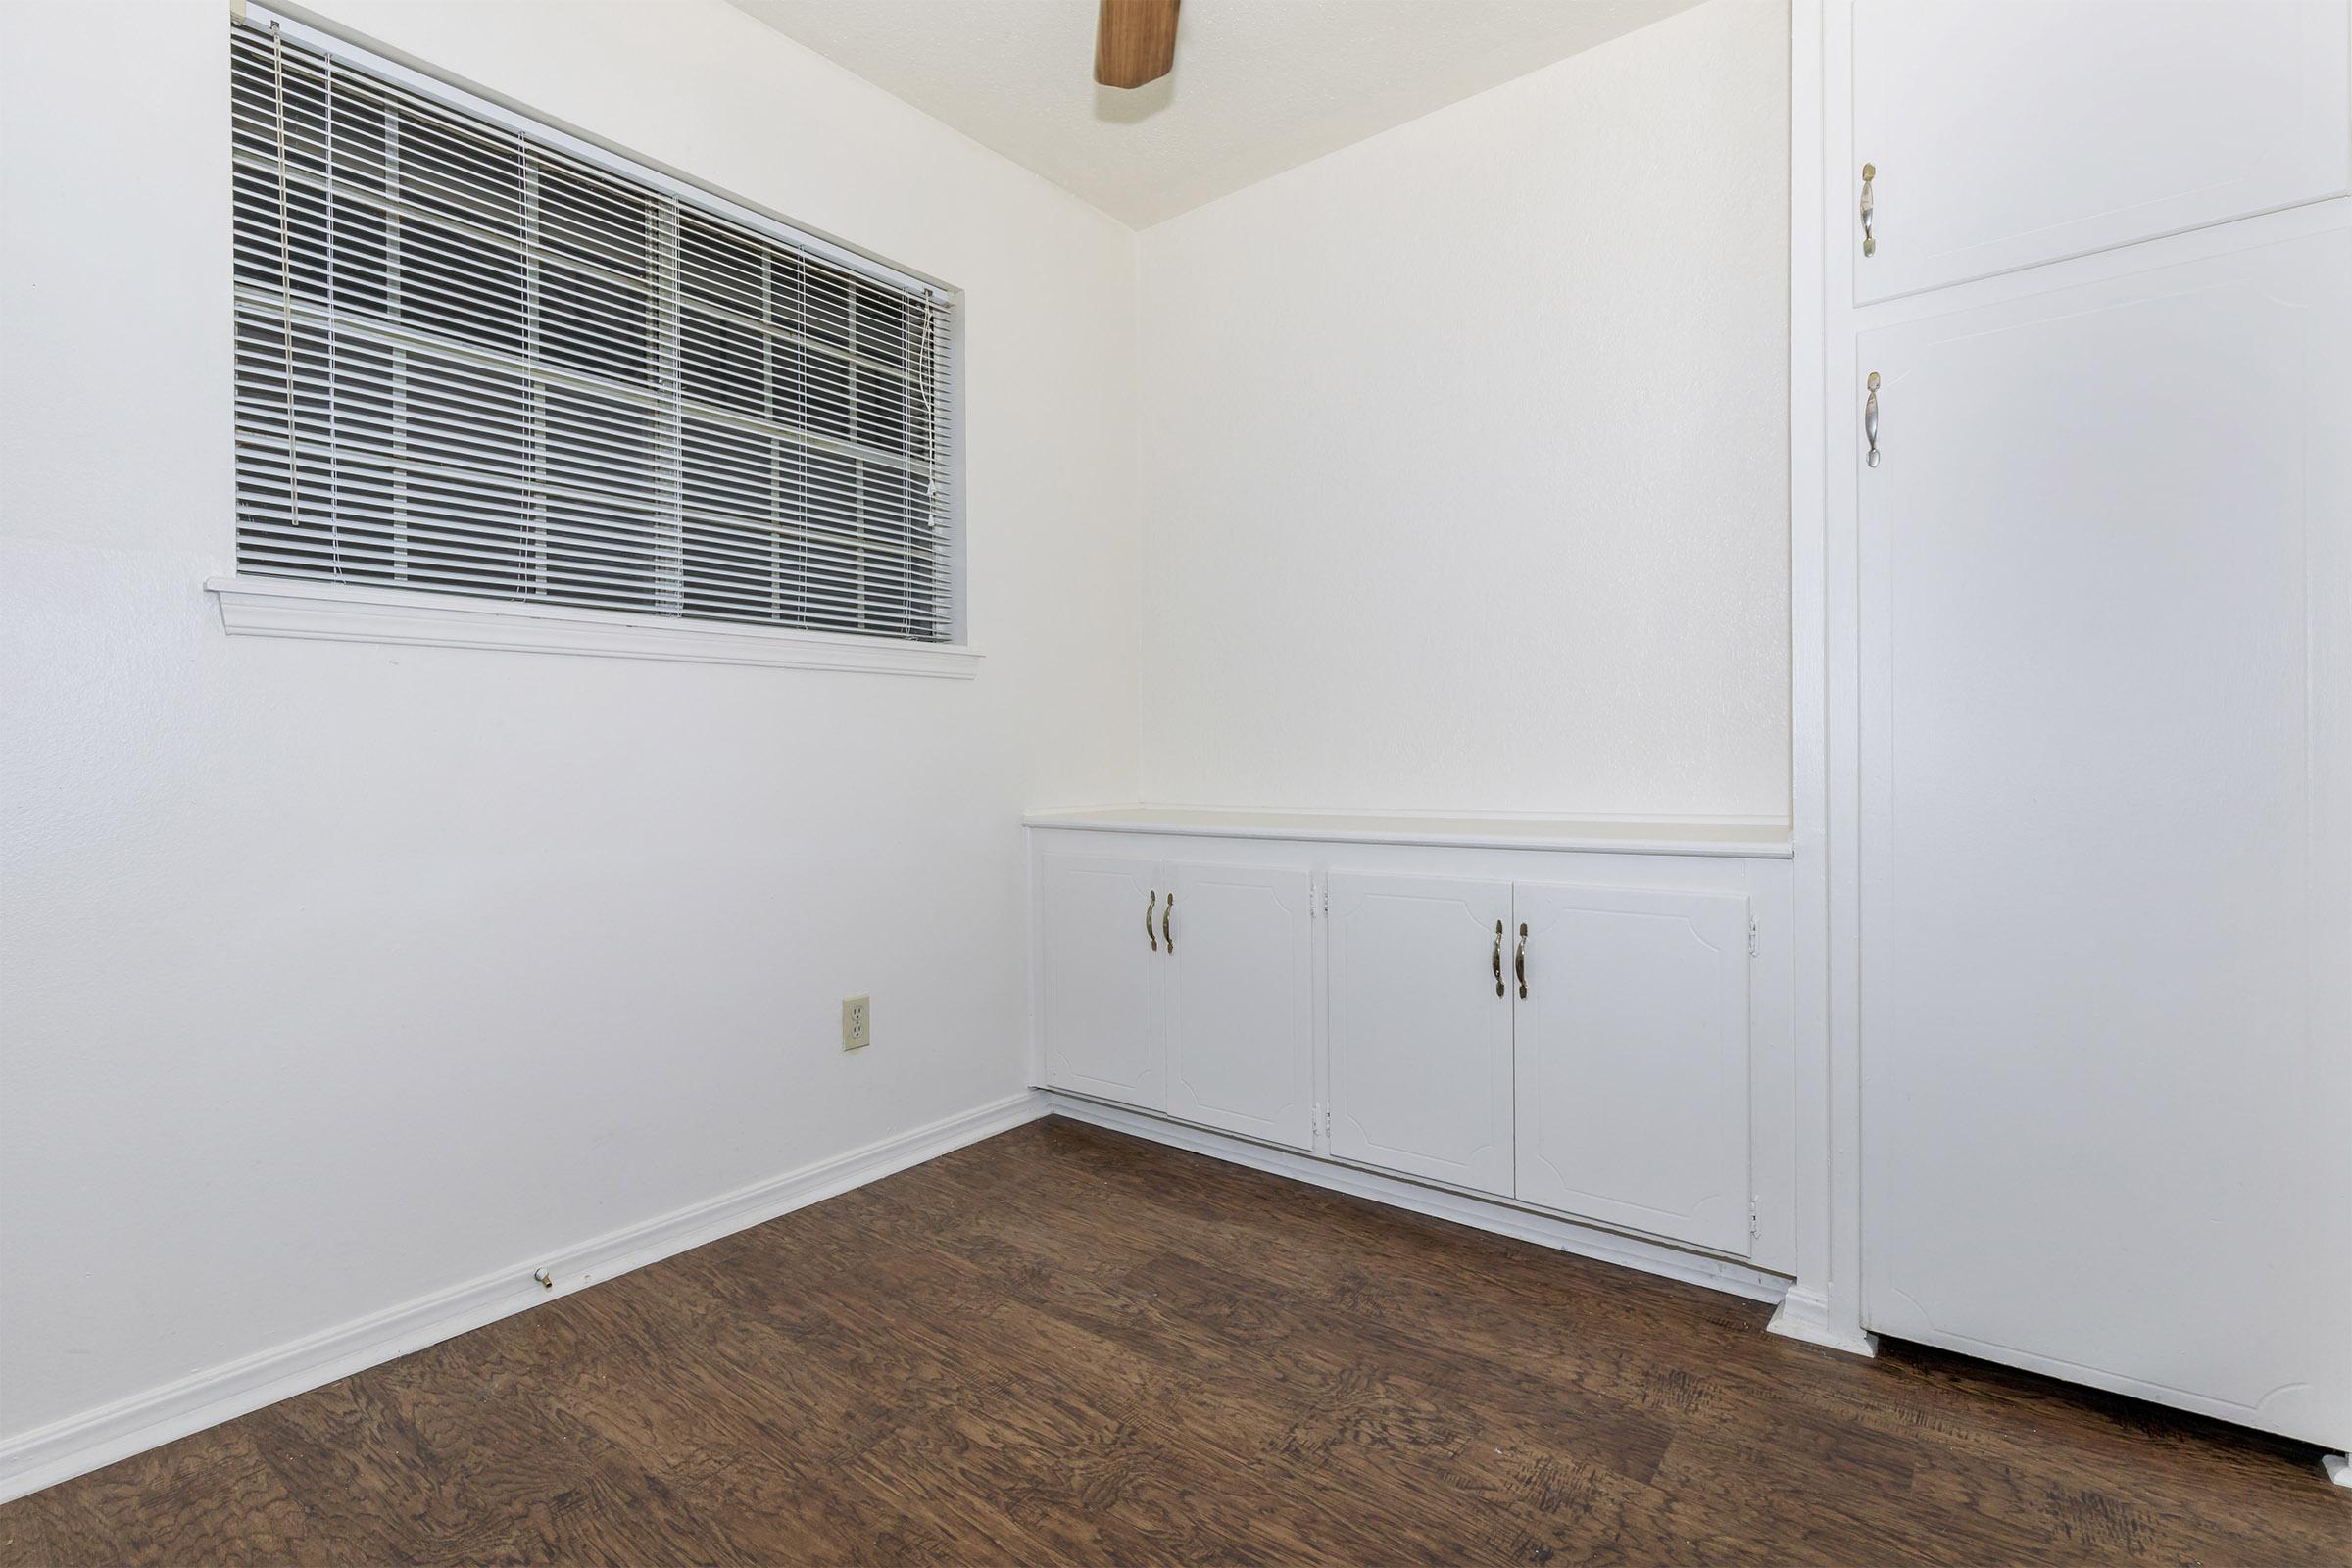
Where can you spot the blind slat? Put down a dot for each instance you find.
(470, 362)
(821, 422)
(416, 508)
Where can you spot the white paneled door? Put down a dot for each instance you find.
(1420, 1024)
(2106, 825)
(2009, 133)
(1632, 1047)
(1241, 994)
(1101, 976)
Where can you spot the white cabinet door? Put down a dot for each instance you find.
(2005, 135)
(2106, 834)
(1100, 976)
(1420, 1028)
(1240, 993)
(1632, 1045)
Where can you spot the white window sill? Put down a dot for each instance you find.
(276, 606)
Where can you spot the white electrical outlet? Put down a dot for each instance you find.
(857, 1022)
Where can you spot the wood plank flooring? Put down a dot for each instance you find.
(1064, 1345)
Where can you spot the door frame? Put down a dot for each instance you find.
(1824, 1305)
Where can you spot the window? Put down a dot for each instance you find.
(478, 356)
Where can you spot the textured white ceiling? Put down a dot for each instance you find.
(1259, 84)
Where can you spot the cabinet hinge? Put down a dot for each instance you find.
(1753, 950)
(1755, 1224)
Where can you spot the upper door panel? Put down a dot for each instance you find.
(2012, 133)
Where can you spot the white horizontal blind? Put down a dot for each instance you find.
(470, 361)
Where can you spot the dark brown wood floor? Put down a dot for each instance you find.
(1064, 1345)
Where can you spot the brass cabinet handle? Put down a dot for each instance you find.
(1166, 910)
(1870, 418)
(1498, 957)
(1870, 207)
(1149, 909)
(1519, 964)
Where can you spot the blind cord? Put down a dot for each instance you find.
(285, 273)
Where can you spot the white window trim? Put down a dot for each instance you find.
(343, 612)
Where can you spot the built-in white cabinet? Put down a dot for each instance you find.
(1596, 1036)
(1180, 987)
(2002, 134)
(1421, 1027)
(1630, 1034)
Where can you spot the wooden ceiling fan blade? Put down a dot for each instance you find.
(1135, 41)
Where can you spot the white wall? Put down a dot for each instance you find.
(1465, 453)
(335, 975)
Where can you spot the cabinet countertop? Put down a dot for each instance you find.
(1754, 841)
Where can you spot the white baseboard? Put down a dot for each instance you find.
(64, 1448)
(1804, 1314)
(1503, 1219)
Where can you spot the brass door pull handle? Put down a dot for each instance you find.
(1149, 909)
(1870, 418)
(1166, 910)
(1498, 957)
(1519, 964)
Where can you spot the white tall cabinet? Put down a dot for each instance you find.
(2089, 462)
